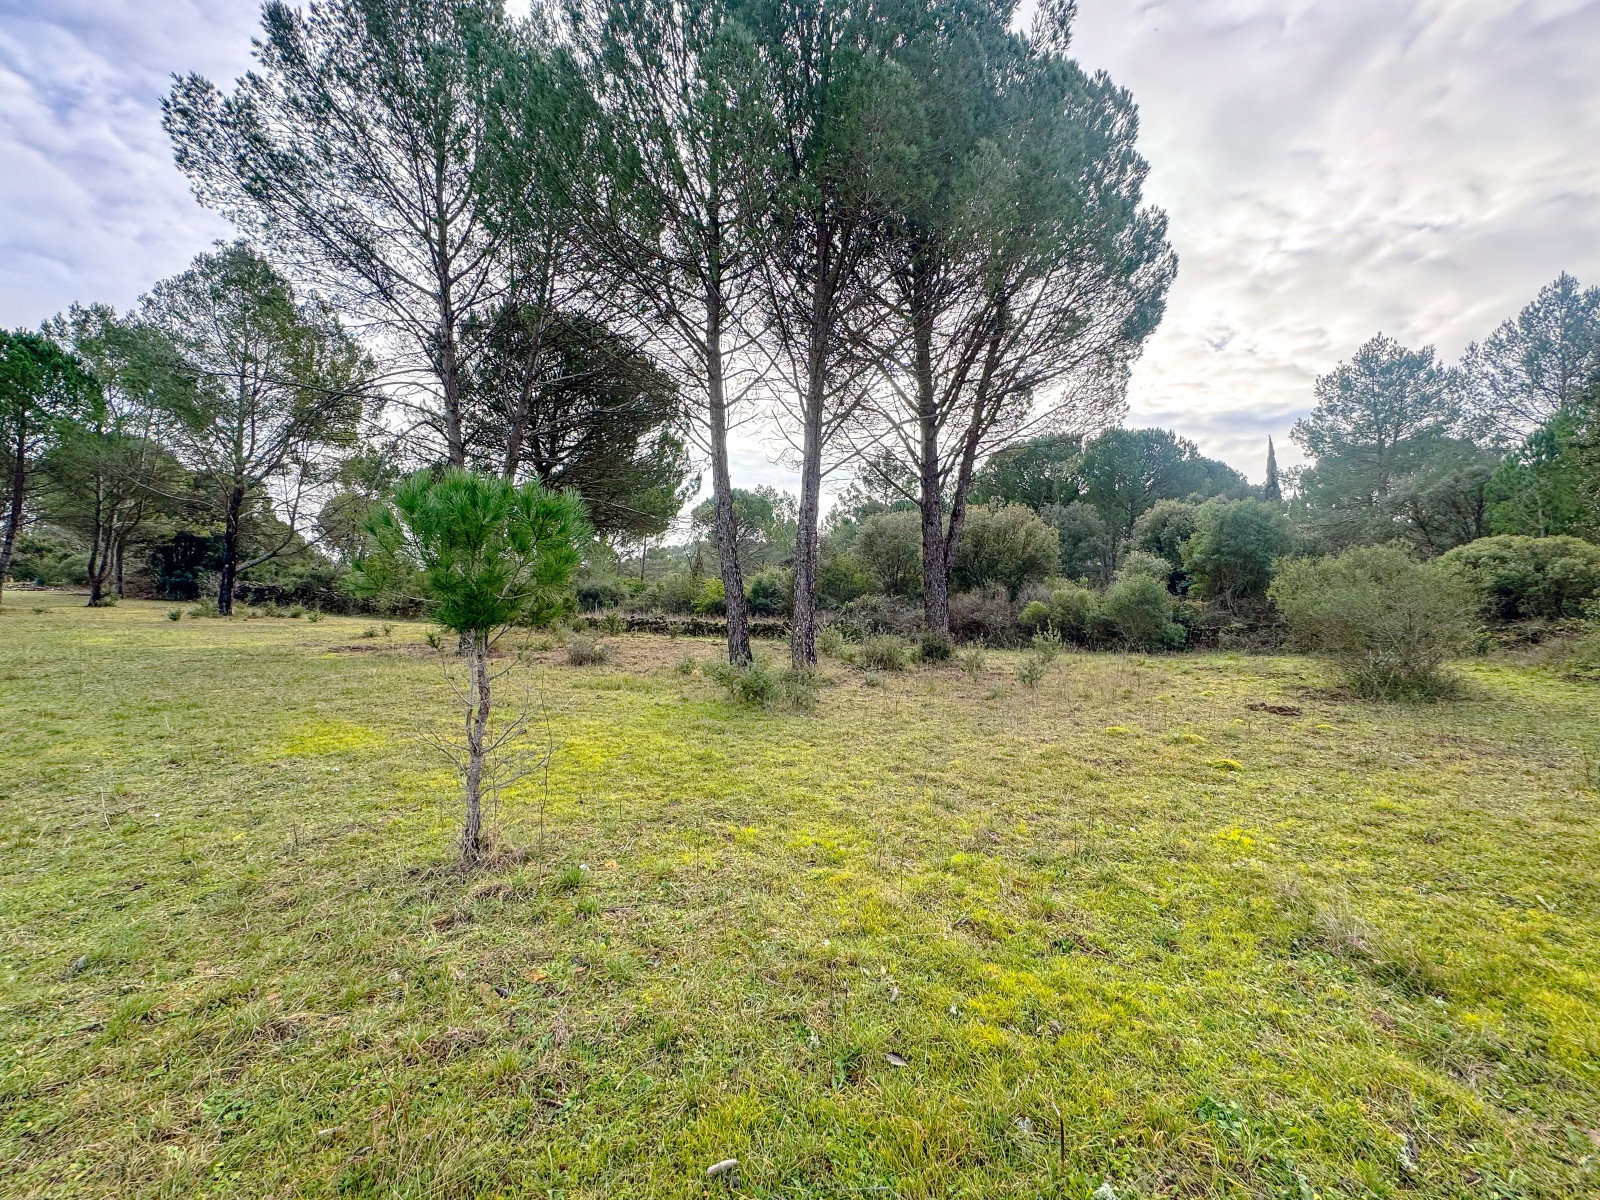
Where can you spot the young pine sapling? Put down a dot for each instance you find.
(487, 555)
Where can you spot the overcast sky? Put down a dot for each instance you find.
(1332, 168)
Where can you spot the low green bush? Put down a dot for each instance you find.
(759, 686)
(1072, 613)
(712, 600)
(831, 641)
(770, 593)
(1136, 613)
(1035, 616)
(935, 647)
(600, 591)
(1515, 577)
(1390, 623)
(883, 653)
(1032, 670)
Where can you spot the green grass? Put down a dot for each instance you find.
(1244, 953)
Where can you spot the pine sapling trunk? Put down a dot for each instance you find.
(478, 700)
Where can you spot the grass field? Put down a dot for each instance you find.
(1349, 950)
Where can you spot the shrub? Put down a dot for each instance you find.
(1085, 538)
(587, 652)
(841, 578)
(1137, 613)
(873, 615)
(174, 614)
(883, 653)
(770, 593)
(1513, 577)
(1229, 556)
(831, 641)
(1035, 616)
(758, 685)
(935, 647)
(890, 545)
(974, 659)
(1012, 546)
(1141, 562)
(206, 606)
(1032, 670)
(1164, 529)
(985, 616)
(600, 591)
(675, 593)
(1073, 610)
(314, 615)
(1388, 621)
(712, 601)
(1046, 646)
(611, 624)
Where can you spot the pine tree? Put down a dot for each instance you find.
(1271, 490)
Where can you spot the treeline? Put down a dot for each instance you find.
(1493, 462)
(889, 227)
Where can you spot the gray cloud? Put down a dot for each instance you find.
(1419, 167)
(1332, 169)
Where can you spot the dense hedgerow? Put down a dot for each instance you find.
(1517, 577)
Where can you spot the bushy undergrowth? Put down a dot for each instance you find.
(1512, 578)
(883, 653)
(584, 651)
(831, 642)
(873, 615)
(1136, 612)
(1389, 622)
(935, 647)
(760, 686)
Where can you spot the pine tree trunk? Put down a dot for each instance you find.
(722, 488)
(478, 700)
(230, 554)
(19, 480)
(930, 497)
(803, 638)
(96, 572)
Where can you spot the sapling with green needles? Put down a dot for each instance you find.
(486, 555)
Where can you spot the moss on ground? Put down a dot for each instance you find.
(1337, 949)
